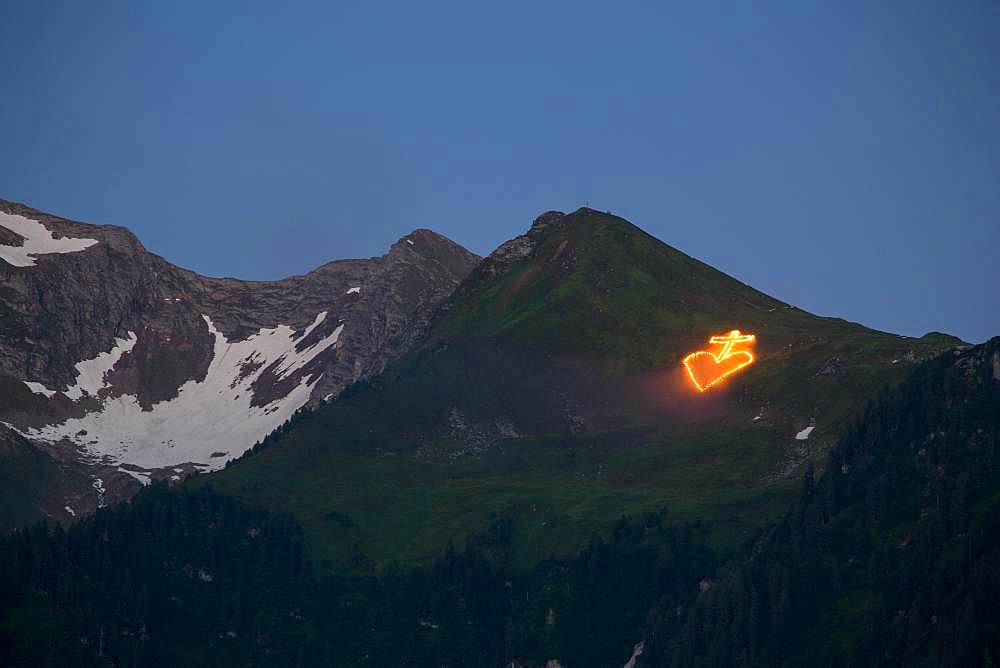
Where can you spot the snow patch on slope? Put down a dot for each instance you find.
(38, 388)
(141, 476)
(38, 240)
(804, 434)
(292, 363)
(90, 373)
(98, 486)
(211, 416)
(636, 653)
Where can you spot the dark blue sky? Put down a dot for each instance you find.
(843, 156)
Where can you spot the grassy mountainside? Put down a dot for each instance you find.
(888, 558)
(550, 388)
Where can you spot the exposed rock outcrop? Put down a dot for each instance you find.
(112, 356)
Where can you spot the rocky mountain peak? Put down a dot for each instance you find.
(430, 245)
(547, 219)
(125, 366)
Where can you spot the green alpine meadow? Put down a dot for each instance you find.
(550, 390)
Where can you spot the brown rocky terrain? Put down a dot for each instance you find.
(125, 367)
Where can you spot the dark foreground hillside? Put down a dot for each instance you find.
(892, 557)
(179, 578)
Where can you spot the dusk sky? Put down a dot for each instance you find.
(841, 156)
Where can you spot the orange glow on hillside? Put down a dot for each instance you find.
(706, 368)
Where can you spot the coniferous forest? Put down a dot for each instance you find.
(890, 556)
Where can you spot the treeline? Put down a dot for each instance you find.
(302, 414)
(179, 577)
(892, 558)
(275, 436)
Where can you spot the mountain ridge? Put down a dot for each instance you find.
(94, 322)
(887, 557)
(556, 365)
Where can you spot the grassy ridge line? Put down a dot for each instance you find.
(596, 318)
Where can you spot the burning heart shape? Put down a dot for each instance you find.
(707, 368)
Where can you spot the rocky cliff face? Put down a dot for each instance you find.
(115, 360)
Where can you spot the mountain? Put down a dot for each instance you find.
(887, 558)
(541, 479)
(121, 367)
(551, 388)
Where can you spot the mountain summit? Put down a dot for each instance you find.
(552, 380)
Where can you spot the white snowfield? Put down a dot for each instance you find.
(208, 417)
(38, 388)
(804, 434)
(138, 475)
(90, 373)
(37, 241)
(636, 653)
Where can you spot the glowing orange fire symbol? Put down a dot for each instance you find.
(707, 368)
